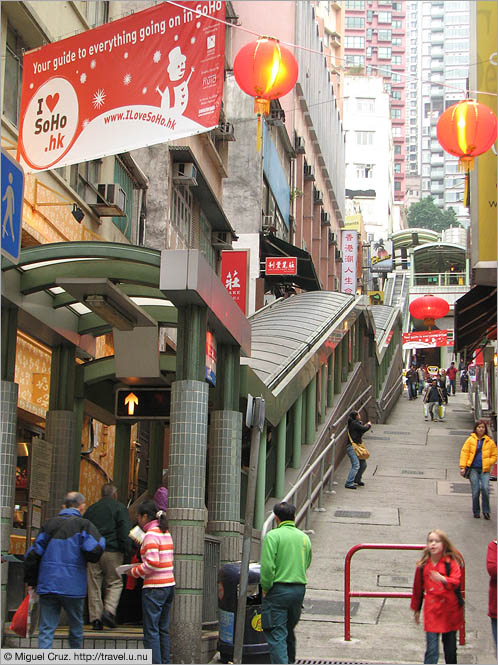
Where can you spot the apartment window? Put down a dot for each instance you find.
(397, 149)
(385, 35)
(397, 7)
(354, 42)
(369, 34)
(96, 13)
(396, 94)
(364, 138)
(388, 88)
(83, 176)
(397, 25)
(13, 75)
(397, 186)
(396, 131)
(354, 60)
(364, 171)
(396, 113)
(397, 167)
(397, 41)
(397, 60)
(369, 16)
(369, 52)
(455, 45)
(384, 52)
(365, 104)
(181, 211)
(355, 22)
(355, 4)
(385, 17)
(205, 240)
(385, 70)
(457, 59)
(396, 77)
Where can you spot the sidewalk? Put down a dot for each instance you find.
(412, 485)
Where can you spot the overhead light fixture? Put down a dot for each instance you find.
(76, 212)
(111, 313)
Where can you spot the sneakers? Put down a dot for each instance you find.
(97, 625)
(360, 484)
(487, 516)
(108, 619)
(350, 487)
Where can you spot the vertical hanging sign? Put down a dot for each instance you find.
(234, 265)
(349, 261)
(154, 76)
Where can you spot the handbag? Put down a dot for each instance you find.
(466, 473)
(360, 449)
(19, 623)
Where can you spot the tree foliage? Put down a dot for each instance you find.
(426, 215)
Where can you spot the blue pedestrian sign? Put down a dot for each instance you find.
(12, 203)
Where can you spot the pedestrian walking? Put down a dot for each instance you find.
(443, 383)
(159, 582)
(421, 379)
(56, 565)
(433, 398)
(113, 522)
(436, 585)
(411, 382)
(356, 429)
(452, 374)
(285, 558)
(477, 456)
(464, 381)
(491, 566)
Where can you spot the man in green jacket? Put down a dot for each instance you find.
(111, 518)
(285, 557)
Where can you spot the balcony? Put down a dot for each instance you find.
(437, 66)
(437, 38)
(437, 160)
(437, 12)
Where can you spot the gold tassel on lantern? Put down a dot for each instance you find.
(261, 107)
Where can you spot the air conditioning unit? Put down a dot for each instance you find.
(338, 255)
(299, 145)
(325, 218)
(317, 197)
(221, 239)
(184, 173)
(332, 238)
(268, 223)
(225, 131)
(112, 200)
(309, 172)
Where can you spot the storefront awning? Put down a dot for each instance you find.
(475, 318)
(306, 277)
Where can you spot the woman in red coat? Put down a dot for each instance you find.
(491, 566)
(437, 578)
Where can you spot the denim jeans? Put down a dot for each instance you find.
(449, 646)
(479, 482)
(358, 466)
(433, 408)
(493, 630)
(452, 388)
(280, 612)
(156, 606)
(50, 609)
(412, 390)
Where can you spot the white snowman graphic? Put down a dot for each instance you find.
(176, 71)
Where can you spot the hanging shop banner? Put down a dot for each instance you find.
(211, 356)
(349, 261)
(278, 265)
(425, 339)
(382, 256)
(150, 77)
(234, 266)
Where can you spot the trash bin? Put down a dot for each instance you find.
(255, 648)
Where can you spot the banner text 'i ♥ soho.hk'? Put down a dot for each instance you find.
(151, 77)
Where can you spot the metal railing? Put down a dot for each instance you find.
(325, 473)
(348, 594)
(210, 582)
(440, 279)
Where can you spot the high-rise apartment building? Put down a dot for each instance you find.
(438, 46)
(375, 45)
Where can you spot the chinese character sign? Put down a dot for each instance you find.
(349, 261)
(234, 266)
(281, 265)
(151, 77)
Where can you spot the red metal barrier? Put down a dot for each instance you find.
(348, 594)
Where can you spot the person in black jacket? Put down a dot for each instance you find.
(356, 429)
(112, 520)
(56, 565)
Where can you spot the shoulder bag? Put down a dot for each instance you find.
(360, 449)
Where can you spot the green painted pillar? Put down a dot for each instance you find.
(122, 460)
(297, 431)
(79, 413)
(344, 359)
(330, 380)
(62, 378)
(259, 507)
(9, 342)
(310, 411)
(191, 343)
(280, 466)
(338, 367)
(323, 392)
(156, 455)
(227, 391)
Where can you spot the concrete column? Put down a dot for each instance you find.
(259, 508)
(330, 380)
(280, 466)
(323, 393)
(297, 438)
(187, 512)
(156, 454)
(59, 431)
(121, 469)
(311, 411)
(8, 455)
(224, 455)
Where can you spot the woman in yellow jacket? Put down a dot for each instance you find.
(479, 454)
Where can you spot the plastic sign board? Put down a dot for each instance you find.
(279, 265)
(153, 76)
(349, 246)
(12, 203)
(211, 355)
(234, 266)
(143, 403)
(382, 256)
(426, 339)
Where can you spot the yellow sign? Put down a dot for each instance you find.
(353, 222)
(131, 400)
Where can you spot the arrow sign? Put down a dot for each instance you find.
(130, 401)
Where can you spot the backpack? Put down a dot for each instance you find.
(457, 590)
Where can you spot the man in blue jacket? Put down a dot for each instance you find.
(56, 565)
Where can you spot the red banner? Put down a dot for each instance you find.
(281, 265)
(234, 276)
(425, 339)
(151, 77)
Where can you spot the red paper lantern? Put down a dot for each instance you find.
(466, 130)
(428, 308)
(265, 70)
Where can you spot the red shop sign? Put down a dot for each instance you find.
(281, 265)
